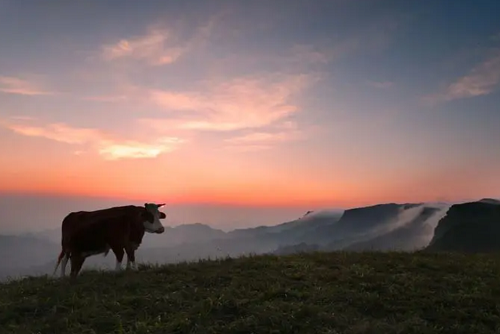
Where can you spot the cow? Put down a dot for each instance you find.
(87, 233)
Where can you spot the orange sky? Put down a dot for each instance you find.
(220, 105)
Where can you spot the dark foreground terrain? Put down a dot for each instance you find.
(310, 293)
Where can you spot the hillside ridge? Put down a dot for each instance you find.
(340, 292)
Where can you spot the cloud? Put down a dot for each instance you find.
(247, 148)
(106, 98)
(138, 150)
(23, 118)
(242, 103)
(265, 137)
(258, 141)
(159, 45)
(481, 80)
(107, 145)
(155, 48)
(14, 85)
(59, 132)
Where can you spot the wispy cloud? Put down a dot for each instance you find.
(108, 146)
(106, 98)
(155, 47)
(160, 45)
(247, 148)
(59, 132)
(23, 117)
(262, 137)
(257, 141)
(138, 150)
(481, 80)
(259, 137)
(241, 103)
(15, 85)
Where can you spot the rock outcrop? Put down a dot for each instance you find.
(469, 227)
(413, 235)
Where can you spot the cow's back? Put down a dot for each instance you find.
(95, 228)
(98, 237)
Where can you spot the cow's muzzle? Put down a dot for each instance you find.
(160, 230)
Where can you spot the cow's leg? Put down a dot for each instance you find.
(76, 264)
(130, 257)
(64, 262)
(119, 253)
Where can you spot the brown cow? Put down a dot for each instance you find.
(87, 233)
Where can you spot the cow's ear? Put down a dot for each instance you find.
(160, 205)
(163, 215)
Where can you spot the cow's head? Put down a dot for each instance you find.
(152, 217)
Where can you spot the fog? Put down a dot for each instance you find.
(409, 216)
(30, 231)
(196, 232)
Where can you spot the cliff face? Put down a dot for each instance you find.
(366, 218)
(469, 227)
(408, 237)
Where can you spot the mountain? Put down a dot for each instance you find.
(19, 253)
(180, 243)
(299, 248)
(361, 220)
(173, 236)
(490, 201)
(361, 224)
(51, 234)
(183, 234)
(404, 227)
(411, 235)
(469, 227)
(308, 228)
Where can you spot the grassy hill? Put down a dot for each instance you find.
(307, 293)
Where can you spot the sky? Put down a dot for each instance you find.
(261, 104)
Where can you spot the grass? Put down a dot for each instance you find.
(309, 293)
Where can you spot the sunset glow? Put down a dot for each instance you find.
(271, 105)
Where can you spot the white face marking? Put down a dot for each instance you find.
(157, 226)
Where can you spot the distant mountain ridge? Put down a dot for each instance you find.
(385, 226)
(195, 241)
(408, 237)
(388, 226)
(20, 252)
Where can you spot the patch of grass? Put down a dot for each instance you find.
(324, 293)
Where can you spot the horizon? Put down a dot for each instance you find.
(244, 217)
(246, 114)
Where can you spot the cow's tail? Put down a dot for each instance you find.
(61, 255)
